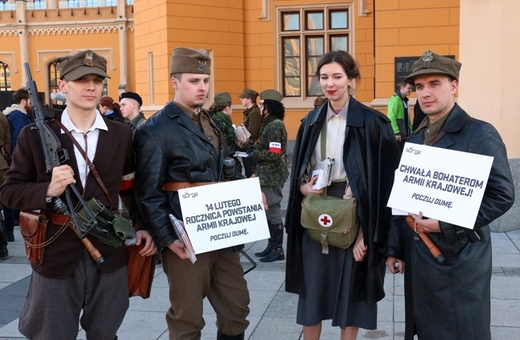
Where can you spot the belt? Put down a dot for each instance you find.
(175, 186)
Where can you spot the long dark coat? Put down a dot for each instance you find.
(452, 300)
(370, 157)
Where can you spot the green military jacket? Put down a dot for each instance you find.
(270, 154)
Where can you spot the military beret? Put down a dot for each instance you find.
(271, 95)
(248, 93)
(432, 63)
(131, 95)
(223, 98)
(76, 66)
(187, 60)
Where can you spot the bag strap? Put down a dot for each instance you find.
(323, 147)
(91, 165)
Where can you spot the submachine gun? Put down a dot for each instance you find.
(54, 156)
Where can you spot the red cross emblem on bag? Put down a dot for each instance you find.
(325, 220)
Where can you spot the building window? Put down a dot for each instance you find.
(306, 34)
(5, 77)
(56, 100)
(86, 3)
(36, 4)
(7, 5)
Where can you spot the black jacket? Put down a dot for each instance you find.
(371, 155)
(170, 148)
(452, 300)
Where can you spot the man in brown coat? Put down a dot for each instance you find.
(69, 286)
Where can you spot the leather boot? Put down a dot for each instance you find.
(222, 336)
(267, 249)
(3, 240)
(276, 252)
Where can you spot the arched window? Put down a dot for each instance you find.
(5, 77)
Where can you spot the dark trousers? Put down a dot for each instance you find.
(10, 215)
(53, 307)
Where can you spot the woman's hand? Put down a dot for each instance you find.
(149, 249)
(306, 188)
(360, 249)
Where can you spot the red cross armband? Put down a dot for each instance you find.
(127, 182)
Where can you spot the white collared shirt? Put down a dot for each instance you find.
(88, 144)
(336, 126)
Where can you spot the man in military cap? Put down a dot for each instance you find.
(131, 103)
(450, 300)
(222, 111)
(180, 147)
(270, 165)
(252, 121)
(68, 283)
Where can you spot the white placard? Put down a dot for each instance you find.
(222, 215)
(443, 184)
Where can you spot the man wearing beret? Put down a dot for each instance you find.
(270, 165)
(131, 103)
(69, 286)
(180, 147)
(252, 122)
(450, 300)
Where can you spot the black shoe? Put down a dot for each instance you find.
(3, 252)
(265, 251)
(10, 236)
(276, 254)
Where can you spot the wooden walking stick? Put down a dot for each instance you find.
(419, 230)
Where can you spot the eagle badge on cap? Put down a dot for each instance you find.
(89, 59)
(427, 58)
(202, 65)
(325, 220)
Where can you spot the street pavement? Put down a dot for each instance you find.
(273, 311)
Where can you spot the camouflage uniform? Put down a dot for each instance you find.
(270, 166)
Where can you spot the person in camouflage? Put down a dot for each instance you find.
(270, 165)
(222, 117)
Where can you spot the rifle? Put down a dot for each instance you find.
(54, 155)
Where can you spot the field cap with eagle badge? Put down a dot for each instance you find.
(76, 66)
(432, 63)
(187, 60)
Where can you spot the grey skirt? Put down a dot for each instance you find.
(328, 283)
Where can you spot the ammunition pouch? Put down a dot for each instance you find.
(112, 228)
